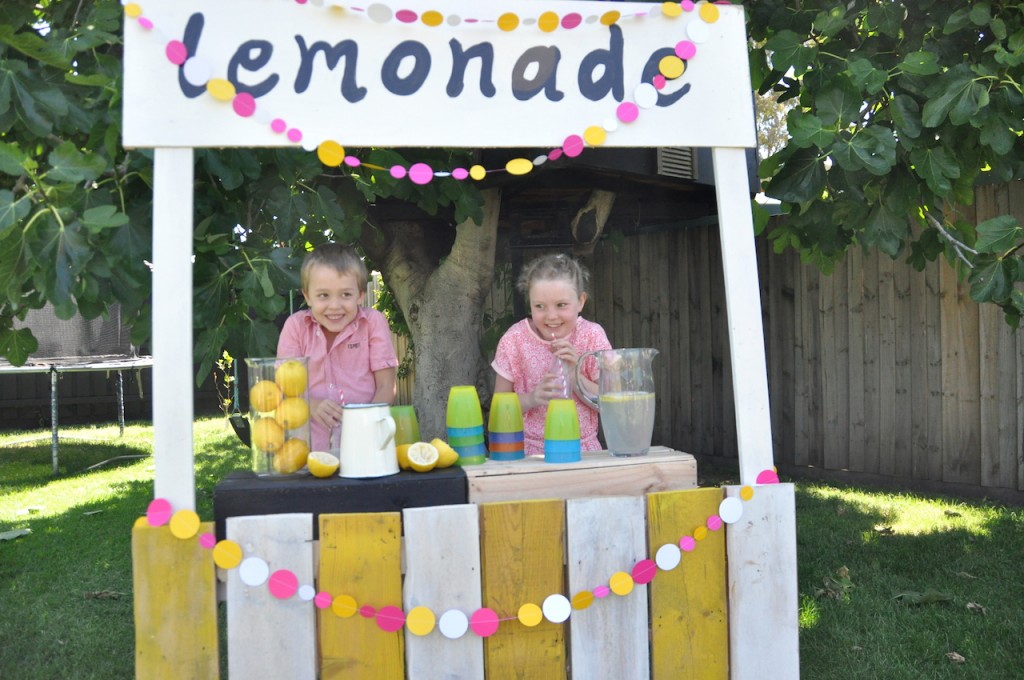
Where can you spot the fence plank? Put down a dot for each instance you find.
(609, 638)
(934, 345)
(902, 411)
(763, 624)
(269, 637)
(442, 555)
(360, 558)
(689, 627)
(683, 426)
(175, 591)
(887, 403)
(841, 340)
(522, 555)
(871, 369)
(855, 328)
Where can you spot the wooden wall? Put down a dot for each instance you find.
(876, 373)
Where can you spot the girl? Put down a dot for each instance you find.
(555, 289)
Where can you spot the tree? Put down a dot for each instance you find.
(901, 108)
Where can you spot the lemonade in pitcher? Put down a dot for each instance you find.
(625, 397)
(628, 422)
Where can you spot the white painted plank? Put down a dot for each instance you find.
(269, 637)
(173, 409)
(609, 638)
(763, 622)
(442, 553)
(743, 307)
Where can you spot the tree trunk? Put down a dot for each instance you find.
(443, 304)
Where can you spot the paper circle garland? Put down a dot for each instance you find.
(484, 622)
(453, 624)
(730, 510)
(420, 621)
(323, 600)
(530, 615)
(556, 608)
(644, 571)
(253, 571)
(184, 524)
(306, 592)
(159, 512)
(390, 619)
(582, 599)
(344, 606)
(283, 583)
(227, 554)
(621, 583)
(668, 557)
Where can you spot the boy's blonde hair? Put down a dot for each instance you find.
(552, 268)
(342, 258)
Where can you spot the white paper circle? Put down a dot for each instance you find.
(610, 124)
(645, 95)
(308, 144)
(159, 37)
(197, 71)
(540, 160)
(730, 510)
(379, 13)
(453, 624)
(556, 608)
(262, 115)
(307, 592)
(668, 557)
(698, 31)
(253, 571)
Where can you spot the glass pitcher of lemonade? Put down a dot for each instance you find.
(625, 397)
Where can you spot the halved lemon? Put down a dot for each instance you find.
(423, 456)
(447, 456)
(322, 464)
(402, 451)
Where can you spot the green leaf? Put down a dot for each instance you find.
(957, 21)
(981, 14)
(920, 63)
(11, 158)
(789, 52)
(839, 103)
(71, 165)
(906, 114)
(801, 179)
(989, 283)
(866, 77)
(872, 149)
(998, 136)
(885, 230)
(955, 94)
(830, 22)
(12, 210)
(937, 166)
(103, 217)
(998, 234)
(886, 17)
(806, 130)
(18, 344)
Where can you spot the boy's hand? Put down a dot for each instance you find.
(326, 412)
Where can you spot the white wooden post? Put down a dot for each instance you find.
(173, 408)
(743, 312)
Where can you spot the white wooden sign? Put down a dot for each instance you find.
(448, 73)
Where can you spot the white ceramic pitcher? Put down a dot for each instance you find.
(367, 447)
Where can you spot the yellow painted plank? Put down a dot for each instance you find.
(360, 556)
(689, 622)
(522, 552)
(175, 605)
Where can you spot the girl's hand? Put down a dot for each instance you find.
(564, 350)
(547, 389)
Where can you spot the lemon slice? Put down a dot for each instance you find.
(402, 451)
(322, 464)
(447, 456)
(423, 456)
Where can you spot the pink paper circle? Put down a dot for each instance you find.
(244, 104)
(555, 154)
(145, 23)
(278, 125)
(159, 512)
(573, 146)
(687, 5)
(176, 52)
(295, 135)
(601, 592)
(687, 543)
(484, 622)
(283, 584)
(207, 540)
(397, 171)
(406, 16)
(627, 112)
(352, 161)
(571, 20)
(714, 522)
(323, 600)
(420, 173)
(367, 611)
(659, 82)
(644, 571)
(460, 173)
(685, 49)
(767, 477)
(390, 619)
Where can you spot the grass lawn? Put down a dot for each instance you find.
(891, 585)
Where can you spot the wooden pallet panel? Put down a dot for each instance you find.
(442, 555)
(689, 614)
(175, 591)
(522, 553)
(360, 557)
(609, 638)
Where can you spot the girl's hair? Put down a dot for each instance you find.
(553, 267)
(342, 258)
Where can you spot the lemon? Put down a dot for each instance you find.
(293, 412)
(422, 456)
(267, 435)
(447, 456)
(264, 396)
(291, 456)
(403, 455)
(322, 464)
(291, 377)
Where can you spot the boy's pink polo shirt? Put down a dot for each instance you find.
(362, 347)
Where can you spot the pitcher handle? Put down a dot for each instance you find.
(387, 430)
(588, 396)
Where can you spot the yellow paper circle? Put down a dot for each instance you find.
(747, 492)
(420, 621)
(432, 18)
(508, 21)
(547, 22)
(133, 10)
(141, 522)
(530, 615)
(184, 524)
(595, 135)
(331, 153)
(609, 18)
(700, 533)
(621, 583)
(220, 89)
(671, 9)
(671, 66)
(582, 599)
(227, 554)
(709, 12)
(477, 172)
(519, 166)
(344, 606)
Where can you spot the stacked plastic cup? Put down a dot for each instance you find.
(407, 427)
(562, 432)
(505, 427)
(465, 421)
